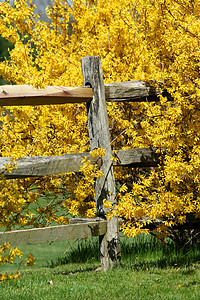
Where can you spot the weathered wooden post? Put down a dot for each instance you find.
(100, 138)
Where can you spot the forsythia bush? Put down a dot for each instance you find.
(155, 41)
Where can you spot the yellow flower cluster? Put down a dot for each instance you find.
(12, 253)
(6, 277)
(81, 202)
(30, 260)
(8, 258)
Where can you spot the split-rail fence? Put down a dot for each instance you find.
(95, 94)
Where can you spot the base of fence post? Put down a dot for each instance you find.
(109, 245)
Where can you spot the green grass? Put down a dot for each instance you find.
(81, 281)
(147, 271)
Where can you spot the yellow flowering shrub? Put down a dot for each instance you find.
(154, 41)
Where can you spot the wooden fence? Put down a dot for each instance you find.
(95, 94)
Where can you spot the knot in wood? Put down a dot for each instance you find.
(4, 92)
(99, 162)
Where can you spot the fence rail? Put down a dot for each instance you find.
(137, 91)
(54, 233)
(17, 95)
(37, 166)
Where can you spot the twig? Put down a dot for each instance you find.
(188, 31)
(71, 245)
(118, 136)
(186, 8)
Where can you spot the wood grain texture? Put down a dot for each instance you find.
(14, 95)
(37, 166)
(131, 91)
(139, 157)
(134, 91)
(98, 128)
(100, 138)
(54, 233)
(84, 220)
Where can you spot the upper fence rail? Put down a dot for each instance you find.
(17, 95)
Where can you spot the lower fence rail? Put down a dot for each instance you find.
(84, 229)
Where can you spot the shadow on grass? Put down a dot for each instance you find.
(164, 262)
(82, 251)
(141, 252)
(78, 268)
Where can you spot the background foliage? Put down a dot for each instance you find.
(4, 46)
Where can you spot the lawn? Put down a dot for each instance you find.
(81, 281)
(147, 271)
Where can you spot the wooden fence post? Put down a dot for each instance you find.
(100, 138)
